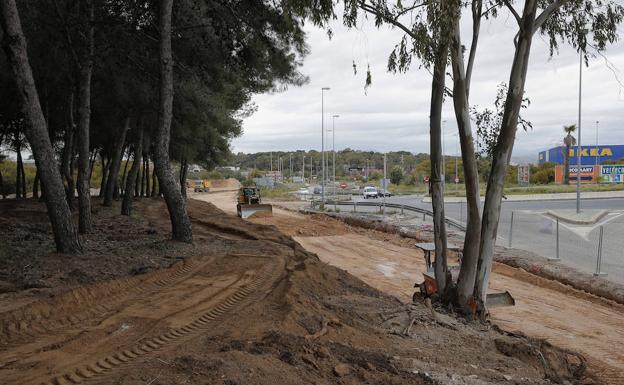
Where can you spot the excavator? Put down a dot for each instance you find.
(250, 204)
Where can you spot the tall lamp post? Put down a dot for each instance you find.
(334, 149)
(578, 142)
(323, 145)
(443, 161)
(597, 153)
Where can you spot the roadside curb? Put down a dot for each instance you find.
(589, 221)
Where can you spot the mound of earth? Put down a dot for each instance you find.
(248, 305)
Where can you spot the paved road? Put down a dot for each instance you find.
(533, 231)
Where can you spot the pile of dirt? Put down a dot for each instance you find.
(252, 306)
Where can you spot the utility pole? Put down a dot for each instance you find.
(578, 143)
(271, 161)
(323, 145)
(443, 160)
(385, 186)
(290, 167)
(597, 153)
(334, 148)
(303, 169)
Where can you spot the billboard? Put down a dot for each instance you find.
(589, 154)
(588, 174)
(612, 173)
(523, 175)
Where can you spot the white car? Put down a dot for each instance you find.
(302, 191)
(370, 192)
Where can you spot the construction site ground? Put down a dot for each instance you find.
(544, 308)
(250, 303)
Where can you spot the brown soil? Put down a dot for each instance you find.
(544, 308)
(247, 305)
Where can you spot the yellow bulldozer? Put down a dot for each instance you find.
(250, 204)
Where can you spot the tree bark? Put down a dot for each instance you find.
(146, 174)
(105, 166)
(126, 204)
(68, 153)
(468, 270)
(180, 223)
(2, 192)
(65, 235)
(115, 162)
(142, 192)
(84, 123)
(502, 152)
(183, 175)
(122, 189)
(19, 169)
(437, 185)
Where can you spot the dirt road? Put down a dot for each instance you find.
(119, 322)
(544, 309)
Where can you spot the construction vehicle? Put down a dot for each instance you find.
(250, 204)
(200, 185)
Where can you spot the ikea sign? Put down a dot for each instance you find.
(589, 154)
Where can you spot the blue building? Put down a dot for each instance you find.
(588, 154)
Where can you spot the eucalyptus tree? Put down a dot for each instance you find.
(65, 235)
(585, 24)
(432, 28)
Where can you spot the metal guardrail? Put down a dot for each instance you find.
(403, 207)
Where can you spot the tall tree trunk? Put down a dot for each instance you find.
(92, 163)
(180, 223)
(65, 235)
(502, 152)
(115, 162)
(183, 175)
(437, 184)
(142, 192)
(126, 204)
(68, 154)
(155, 186)
(35, 188)
(468, 270)
(119, 182)
(122, 187)
(19, 168)
(105, 166)
(2, 192)
(84, 123)
(146, 174)
(137, 185)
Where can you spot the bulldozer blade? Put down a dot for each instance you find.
(255, 210)
(500, 299)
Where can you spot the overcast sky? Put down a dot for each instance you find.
(393, 113)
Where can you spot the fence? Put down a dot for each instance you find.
(593, 249)
(381, 207)
(598, 249)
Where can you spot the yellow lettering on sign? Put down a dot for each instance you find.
(593, 152)
(606, 152)
(571, 152)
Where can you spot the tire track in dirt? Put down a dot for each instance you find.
(85, 303)
(92, 351)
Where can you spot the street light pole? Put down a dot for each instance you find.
(456, 159)
(323, 145)
(443, 161)
(597, 156)
(578, 143)
(334, 149)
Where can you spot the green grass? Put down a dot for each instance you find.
(453, 190)
(283, 193)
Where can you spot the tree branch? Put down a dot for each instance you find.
(477, 7)
(370, 9)
(541, 19)
(513, 11)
